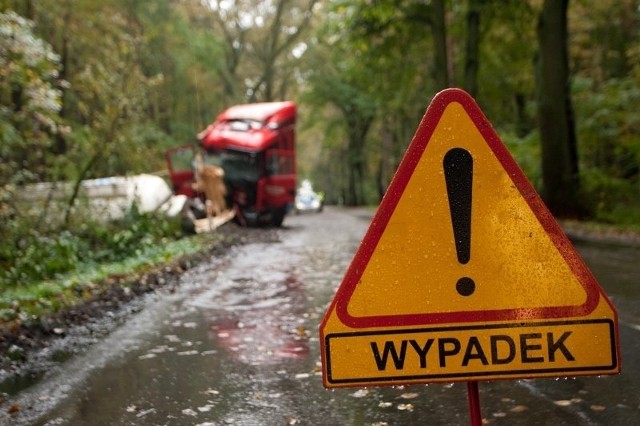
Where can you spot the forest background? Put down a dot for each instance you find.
(91, 89)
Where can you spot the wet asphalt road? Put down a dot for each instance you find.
(237, 344)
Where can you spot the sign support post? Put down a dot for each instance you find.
(473, 396)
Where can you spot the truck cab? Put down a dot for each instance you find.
(255, 146)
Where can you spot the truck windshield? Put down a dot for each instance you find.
(238, 166)
(243, 125)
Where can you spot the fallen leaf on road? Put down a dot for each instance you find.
(189, 412)
(145, 412)
(361, 393)
(172, 338)
(188, 353)
(147, 356)
(409, 395)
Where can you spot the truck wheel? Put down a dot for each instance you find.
(277, 217)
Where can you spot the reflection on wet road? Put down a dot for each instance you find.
(237, 344)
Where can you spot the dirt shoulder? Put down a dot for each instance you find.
(599, 233)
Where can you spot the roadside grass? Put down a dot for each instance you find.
(41, 298)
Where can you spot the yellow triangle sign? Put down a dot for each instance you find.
(461, 236)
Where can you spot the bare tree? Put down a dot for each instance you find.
(260, 36)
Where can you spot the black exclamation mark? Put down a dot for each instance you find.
(458, 173)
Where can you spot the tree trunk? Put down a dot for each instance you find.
(386, 157)
(523, 122)
(440, 45)
(358, 130)
(60, 147)
(29, 11)
(561, 184)
(473, 41)
(78, 183)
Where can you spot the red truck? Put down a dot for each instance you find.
(255, 146)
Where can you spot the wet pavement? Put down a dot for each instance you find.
(237, 343)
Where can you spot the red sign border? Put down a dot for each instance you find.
(394, 193)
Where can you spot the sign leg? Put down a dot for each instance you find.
(474, 403)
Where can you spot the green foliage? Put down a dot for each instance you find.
(526, 151)
(608, 127)
(612, 200)
(30, 254)
(125, 237)
(41, 257)
(370, 67)
(29, 98)
(380, 53)
(46, 296)
(119, 81)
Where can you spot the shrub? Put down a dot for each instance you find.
(29, 254)
(612, 200)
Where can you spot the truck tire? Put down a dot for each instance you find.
(277, 217)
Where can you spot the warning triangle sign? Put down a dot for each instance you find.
(464, 274)
(462, 236)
